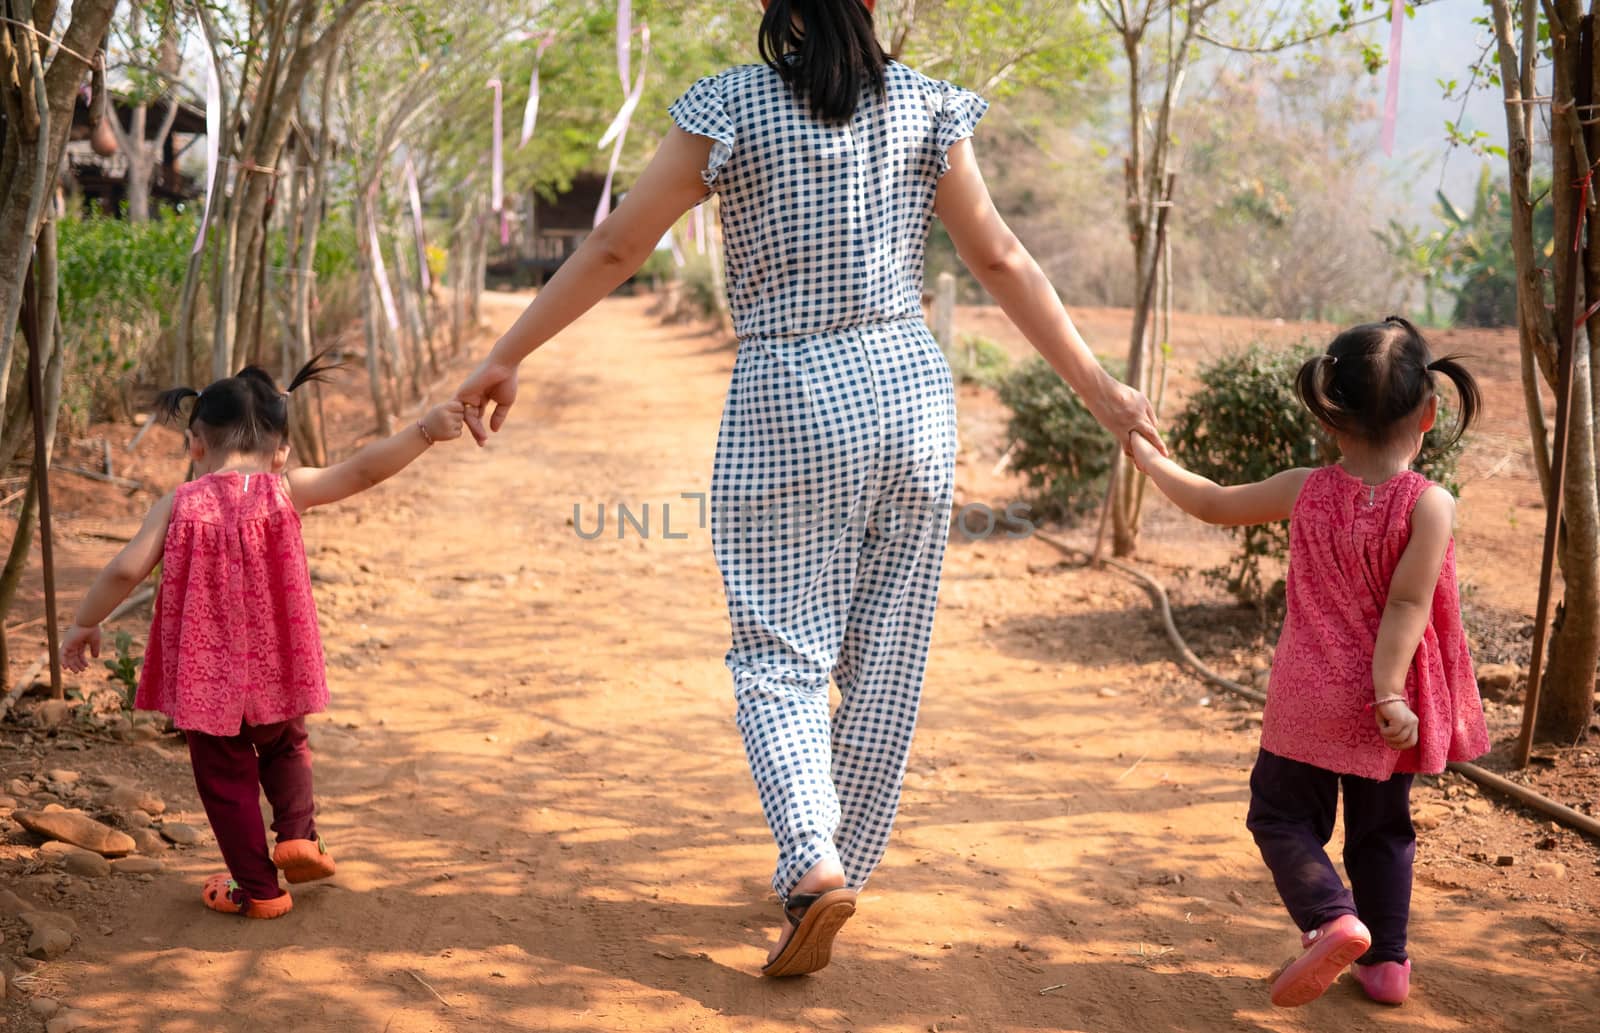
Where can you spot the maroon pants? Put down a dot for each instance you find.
(231, 772)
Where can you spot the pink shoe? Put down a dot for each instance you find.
(1387, 982)
(1329, 950)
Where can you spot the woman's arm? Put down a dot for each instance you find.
(129, 567)
(377, 462)
(669, 186)
(1233, 505)
(1012, 277)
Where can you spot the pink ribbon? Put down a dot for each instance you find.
(530, 114)
(213, 144)
(618, 130)
(416, 225)
(1391, 100)
(624, 40)
(497, 169)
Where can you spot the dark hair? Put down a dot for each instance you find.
(826, 50)
(1375, 375)
(244, 414)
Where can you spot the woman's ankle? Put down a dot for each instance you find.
(823, 876)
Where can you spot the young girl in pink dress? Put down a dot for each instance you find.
(234, 656)
(1371, 681)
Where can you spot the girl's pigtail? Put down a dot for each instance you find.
(170, 404)
(316, 370)
(1467, 390)
(1314, 386)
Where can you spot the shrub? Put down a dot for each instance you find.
(1060, 448)
(978, 360)
(1245, 424)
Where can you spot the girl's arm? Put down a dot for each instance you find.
(1262, 502)
(990, 249)
(667, 188)
(1406, 614)
(130, 566)
(317, 486)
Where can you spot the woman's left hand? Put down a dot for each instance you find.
(493, 382)
(1126, 412)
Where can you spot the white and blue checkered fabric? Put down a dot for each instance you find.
(835, 461)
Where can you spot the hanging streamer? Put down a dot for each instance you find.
(700, 228)
(530, 114)
(618, 129)
(624, 40)
(416, 225)
(497, 173)
(213, 144)
(379, 272)
(1391, 100)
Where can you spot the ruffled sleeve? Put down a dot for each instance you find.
(703, 111)
(956, 120)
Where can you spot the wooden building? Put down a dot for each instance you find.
(543, 234)
(98, 181)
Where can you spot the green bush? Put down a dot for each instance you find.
(978, 360)
(1060, 448)
(1245, 424)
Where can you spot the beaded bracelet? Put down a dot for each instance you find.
(425, 435)
(1375, 704)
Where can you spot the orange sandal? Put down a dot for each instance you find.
(303, 860)
(222, 894)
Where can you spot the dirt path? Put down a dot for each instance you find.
(543, 819)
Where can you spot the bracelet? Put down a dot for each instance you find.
(1375, 704)
(425, 435)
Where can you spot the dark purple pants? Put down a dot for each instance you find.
(1292, 807)
(231, 772)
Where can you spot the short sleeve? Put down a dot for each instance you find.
(957, 120)
(703, 111)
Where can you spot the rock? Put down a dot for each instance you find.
(108, 781)
(49, 943)
(44, 1007)
(77, 829)
(52, 713)
(85, 863)
(1505, 861)
(179, 833)
(7, 803)
(148, 841)
(1550, 870)
(1500, 682)
(53, 808)
(68, 1022)
(17, 787)
(136, 866)
(37, 920)
(13, 905)
(1429, 816)
(144, 733)
(63, 776)
(134, 819)
(129, 798)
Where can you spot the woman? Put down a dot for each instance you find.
(835, 462)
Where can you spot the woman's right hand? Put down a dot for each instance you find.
(1124, 412)
(492, 381)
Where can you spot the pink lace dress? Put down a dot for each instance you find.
(235, 635)
(1345, 539)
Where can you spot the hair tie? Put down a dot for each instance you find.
(1333, 360)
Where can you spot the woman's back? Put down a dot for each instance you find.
(825, 224)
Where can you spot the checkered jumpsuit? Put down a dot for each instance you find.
(836, 457)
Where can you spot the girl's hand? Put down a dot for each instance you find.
(493, 382)
(443, 422)
(72, 646)
(1397, 724)
(1126, 412)
(1142, 451)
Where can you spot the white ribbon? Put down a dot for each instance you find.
(497, 171)
(530, 114)
(624, 40)
(380, 272)
(700, 228)
(416, 225)
(618, 130)
(213, 143)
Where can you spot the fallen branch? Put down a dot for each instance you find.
(95, 475)
(428, 988)
(23, 684)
